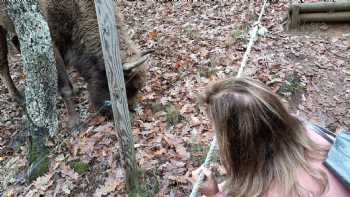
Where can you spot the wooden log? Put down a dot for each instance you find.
(325, 17)
(324, 7)
(114, 70)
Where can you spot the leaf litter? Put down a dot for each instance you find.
(195, 43)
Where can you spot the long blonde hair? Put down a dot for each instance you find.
(260, 143)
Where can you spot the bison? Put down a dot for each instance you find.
(75, 36)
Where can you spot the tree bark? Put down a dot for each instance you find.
(114, 69)
(41, 80)
(38, 61)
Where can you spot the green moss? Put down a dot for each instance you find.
(80, 167)
(37, 153)
(38, 167)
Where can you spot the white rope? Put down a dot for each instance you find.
(253, 37)
(207, 161)
(213, 145)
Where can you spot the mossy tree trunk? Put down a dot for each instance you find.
(41, 79)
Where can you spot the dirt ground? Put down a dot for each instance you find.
(195, 43)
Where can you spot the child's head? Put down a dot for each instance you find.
(255, 132)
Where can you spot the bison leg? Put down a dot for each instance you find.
(4, 69)
(66, 90)
(98, 92)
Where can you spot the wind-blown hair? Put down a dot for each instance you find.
(261, 144)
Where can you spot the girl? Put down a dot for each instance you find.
(265, 151)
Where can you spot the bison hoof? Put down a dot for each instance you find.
(106, 110)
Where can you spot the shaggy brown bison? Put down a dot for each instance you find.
(75, 36)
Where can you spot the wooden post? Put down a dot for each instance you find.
(294, 19)
(114, 69)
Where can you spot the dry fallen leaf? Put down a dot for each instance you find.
(43, 183)
(160, 152)
(110, 185)
(96, 120)
(67, 187)
(179, 179)
(67, 171)
(152, 34)
(32, 193)
(182, 152)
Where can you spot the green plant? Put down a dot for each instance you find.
(291, 85)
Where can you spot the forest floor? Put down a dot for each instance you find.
(195, 43)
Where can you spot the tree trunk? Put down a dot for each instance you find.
(114, 69)
(41, 79)
(38, 61)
